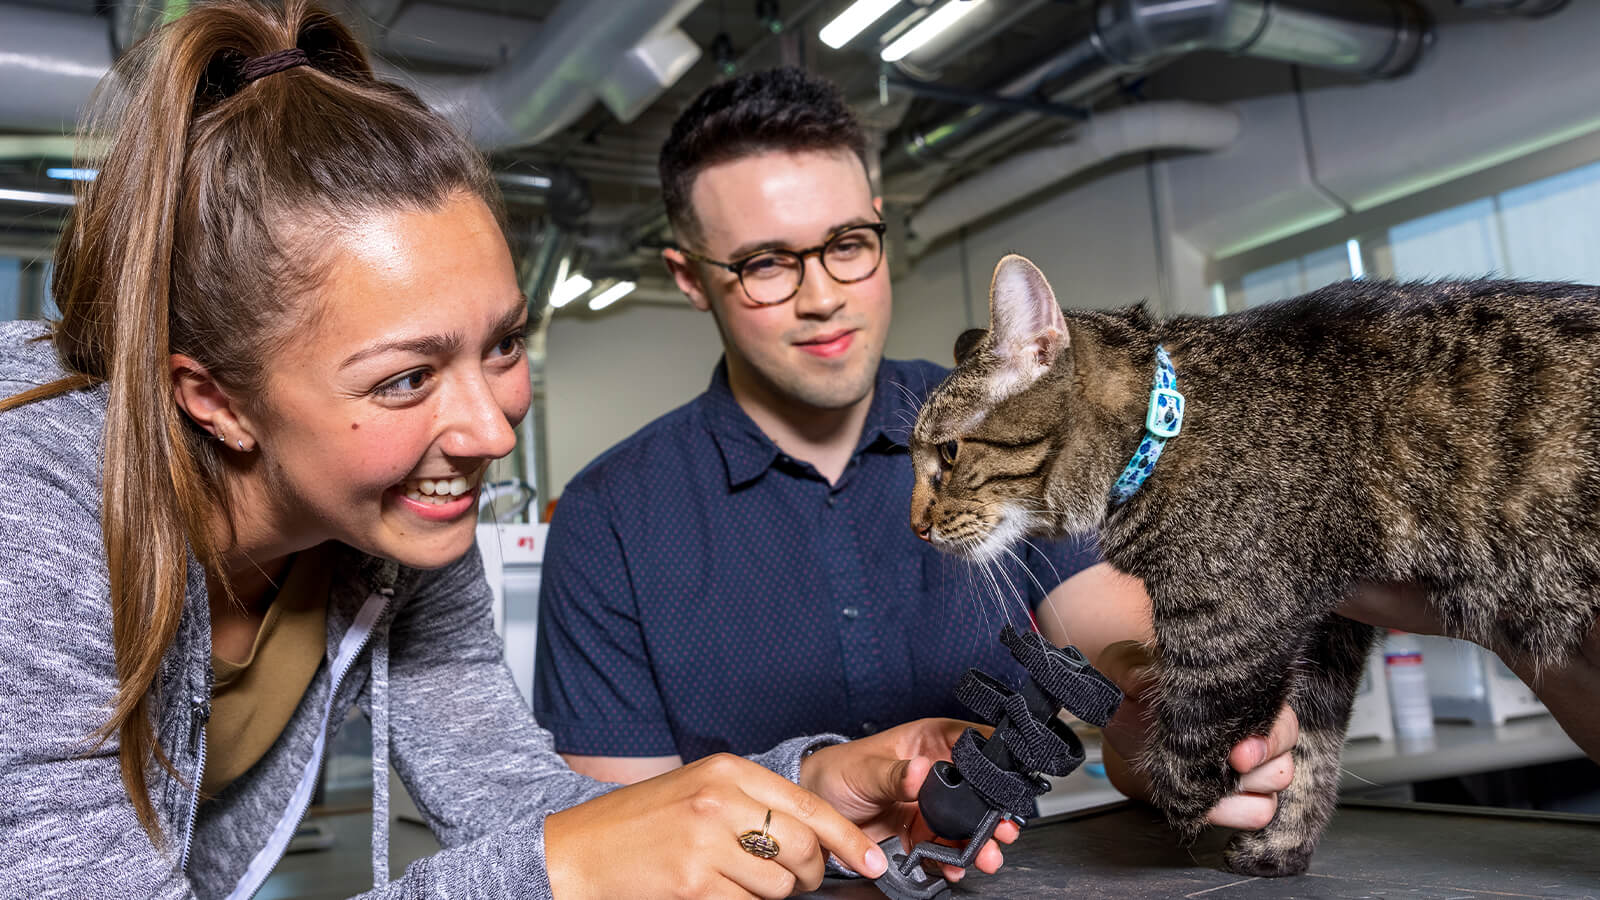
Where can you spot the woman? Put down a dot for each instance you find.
(239, 484)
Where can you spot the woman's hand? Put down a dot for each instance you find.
(874, 783)
(1264, 763)
(677, 835)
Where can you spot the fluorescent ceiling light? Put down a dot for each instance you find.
(612, 294)
(929, 28)
(569, 290)
(846, 25)
(1352, 249)
(38, 197)
(72, 174)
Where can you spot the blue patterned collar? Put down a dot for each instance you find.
(1162, 422)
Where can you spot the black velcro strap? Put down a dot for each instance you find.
(1000, 789)
(1065, 676)
(1050, 747)
(983, 695)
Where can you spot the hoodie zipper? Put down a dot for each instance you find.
(333, 693)
(199, 715)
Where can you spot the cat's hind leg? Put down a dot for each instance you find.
(1321, 697)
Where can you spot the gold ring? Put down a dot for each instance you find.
(760, 843)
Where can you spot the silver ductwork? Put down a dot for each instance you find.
(584, 52)
(1367, 38)
(1161, 125)
(1529, 8)
(50, 63)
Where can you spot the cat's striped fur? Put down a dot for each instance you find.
(1440, 433)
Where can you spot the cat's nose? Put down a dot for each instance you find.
(922, 531)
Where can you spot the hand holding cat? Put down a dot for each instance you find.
(1265, 763)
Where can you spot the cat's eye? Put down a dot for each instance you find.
(947, 452)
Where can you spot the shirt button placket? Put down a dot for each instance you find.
(863, 669)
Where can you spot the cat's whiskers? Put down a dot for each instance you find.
(1031, 577)
(1016, 593)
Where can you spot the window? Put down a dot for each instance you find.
(10, 288)
(1545, 230)
(1294, 277)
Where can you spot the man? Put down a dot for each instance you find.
(742, 570)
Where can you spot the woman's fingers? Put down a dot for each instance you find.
(833, 831)
(800, 860)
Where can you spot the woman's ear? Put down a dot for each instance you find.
(205, 402)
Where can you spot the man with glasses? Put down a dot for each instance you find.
(742, 570)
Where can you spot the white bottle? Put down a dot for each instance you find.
(1408, 687)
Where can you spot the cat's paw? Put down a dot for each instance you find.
(1255, 853)
(1186, 792)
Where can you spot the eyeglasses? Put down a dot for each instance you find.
(770, 277)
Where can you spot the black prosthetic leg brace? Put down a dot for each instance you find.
(993, 779)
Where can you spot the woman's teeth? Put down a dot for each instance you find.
(437, 492)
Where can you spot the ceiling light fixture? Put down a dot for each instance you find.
(929, 28)
(612, 294)
(71, 174)
(44, 197)
(569, 290)
(846, 25)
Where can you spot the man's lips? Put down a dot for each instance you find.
(831, 344)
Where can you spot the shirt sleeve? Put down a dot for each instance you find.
(594, 687)
(1052, 562)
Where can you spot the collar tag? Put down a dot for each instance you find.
(1165, 418)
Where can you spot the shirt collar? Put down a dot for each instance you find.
(747, 452)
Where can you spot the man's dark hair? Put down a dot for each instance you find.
(779, 109)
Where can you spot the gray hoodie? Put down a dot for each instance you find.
(416, 650)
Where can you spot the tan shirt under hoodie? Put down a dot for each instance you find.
(252, 701)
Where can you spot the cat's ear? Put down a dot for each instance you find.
(1026, 327)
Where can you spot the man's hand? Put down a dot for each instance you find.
(1264, 763)
(874, 781)
(1570, 690)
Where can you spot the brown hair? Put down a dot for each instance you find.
(784, 109)
(195, 239)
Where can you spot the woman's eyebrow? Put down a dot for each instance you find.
(427, 345)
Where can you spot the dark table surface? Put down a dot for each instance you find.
(1416, 852)
(1411, 851)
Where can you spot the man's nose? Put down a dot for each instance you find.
(819, 296)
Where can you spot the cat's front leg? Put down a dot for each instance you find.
(1321, 699)
(1222, 673)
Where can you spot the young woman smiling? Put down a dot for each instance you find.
(240, 476)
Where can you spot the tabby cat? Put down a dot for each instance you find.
(1439, 433)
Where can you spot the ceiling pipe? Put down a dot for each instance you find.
(1367, 38)
(585, 51)
(1163, 125)
(50, 63)
(1528, 8)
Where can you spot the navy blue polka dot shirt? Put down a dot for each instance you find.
(703, 592)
